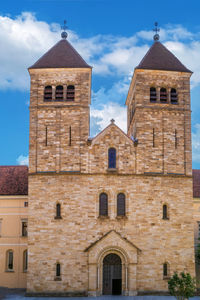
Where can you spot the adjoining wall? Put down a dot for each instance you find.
(12, 212)
(64, 240)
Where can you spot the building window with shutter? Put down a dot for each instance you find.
(70, 93)
(121, 210)
(59, 93)
(103, 205)
(9, 261)
(58, 211)
(163, 95)
(165, 212)
(25, 261)
(24, 227)
(48, 93)
(112, 158)
(173, 96)
(153, 94)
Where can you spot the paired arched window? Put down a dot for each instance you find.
(58, 211)
(121, 204)
(59, 93)
(165, 212)
(173, 96)
(152, 94)
(112, 158)
(48, 93)
(70, 93)
(103, 204)
(163, 95)
(25, 260)
(9, 260)
(165, 270)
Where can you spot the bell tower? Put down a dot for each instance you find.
(159, 115)
(59, 109)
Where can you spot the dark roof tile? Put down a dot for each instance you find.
(61, 55)
(159, 57)
(13, 180)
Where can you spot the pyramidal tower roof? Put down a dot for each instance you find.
(159, 57)
(61, 55)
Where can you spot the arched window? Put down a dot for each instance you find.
(59, 93)
(58, 211)
(103, 204)
(70, 93)
(173, 96)
(57, 270)
(121, 210)
(165, 270)
(152, 94)
(9, 260)
(163, 95)
(48, 93)
(112, 158)
(165, 212)
(25, 260)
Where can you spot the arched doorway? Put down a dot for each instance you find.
(112, 275)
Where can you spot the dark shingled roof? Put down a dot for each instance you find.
(196, 183)
(159, 57)
(62, 55)
(13, 180)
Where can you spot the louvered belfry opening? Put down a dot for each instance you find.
(48, 93)
(70, 93)
(163, 95)
(121, 204)
(103, 204)
(112, 275)
(173, 96)
(59, 93)
(152, 94)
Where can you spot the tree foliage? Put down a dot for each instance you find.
(182, 286)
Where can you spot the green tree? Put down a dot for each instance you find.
(182, 286)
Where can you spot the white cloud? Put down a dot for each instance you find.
(196, 144)
(22, 160)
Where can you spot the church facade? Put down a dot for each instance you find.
(110, 214)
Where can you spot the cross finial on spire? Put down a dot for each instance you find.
(64, 33)
(156, 29)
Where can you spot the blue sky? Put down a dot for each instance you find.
(111, 35)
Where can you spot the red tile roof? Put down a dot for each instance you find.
(196, 183)
(159, 57)
(13, 180)
(62, 55)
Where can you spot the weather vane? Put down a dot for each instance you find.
(156, 29)
(64, 33)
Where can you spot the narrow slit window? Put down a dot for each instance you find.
(70, 93)
(153, 137)
(153, 96)
(58, 270)
(9, 259)
(121, 204)
(25, 260)
(175, 139)
(112, 158)
(58, 211)
(46, 136)
(48, 93)
(103, 204)
(70, 136)
(165, 270)
(173, 96)
(163, 95)
(59, 93)
(165, 212)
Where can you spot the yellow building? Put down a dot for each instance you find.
(105, 214)
(13, 226)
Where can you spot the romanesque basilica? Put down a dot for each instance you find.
(112, 214)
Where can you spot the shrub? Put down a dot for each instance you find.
(182, 286)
